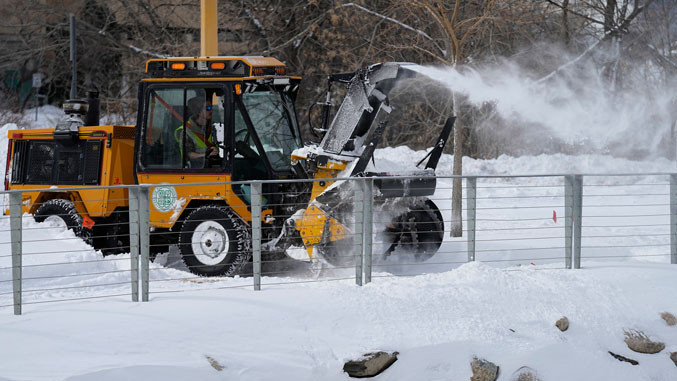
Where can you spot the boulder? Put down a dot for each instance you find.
(370, 365)
(483, 370)
(639, 342)
(669, 318)
(673, 357)
(525, 374)
(562, 324)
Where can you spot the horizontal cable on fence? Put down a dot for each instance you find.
(624, 185)
(625, 235)
(618, 246)
(205, 280)
(427, 263)
(516, 228)
(199, 289)
(628, 256)
(626, 215)
(48, 240)
(625, 195)
(516, 239)
(519, 197)
(517, 186)
(535, 268)
(514, 220)
(74, 299)
(69, 251)
(308, 281)
(295, 272)
(69, 287)
(75, 275)
(69, 263)
(187, 278)
(61, 227)
(625, 226)
(523, 259)
(519, 207)
(622, 205)
(520, 249)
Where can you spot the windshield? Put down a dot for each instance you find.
(272, 117)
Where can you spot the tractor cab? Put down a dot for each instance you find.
(216, 119)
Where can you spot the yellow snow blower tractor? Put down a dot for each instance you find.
(224, 121)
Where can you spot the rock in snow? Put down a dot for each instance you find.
(638, 341)
(483, 370)
(669, 318)
(370, 365)
(623, 358)
(525, 374)
(562, 324)
(673, 357)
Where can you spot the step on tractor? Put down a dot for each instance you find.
(221, 122)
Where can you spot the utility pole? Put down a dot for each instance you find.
(209, 28)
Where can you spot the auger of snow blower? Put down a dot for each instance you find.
(325, 226)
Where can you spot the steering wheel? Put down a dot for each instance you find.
(244, 131)
(243, 147)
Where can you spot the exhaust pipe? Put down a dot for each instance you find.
(94, 109)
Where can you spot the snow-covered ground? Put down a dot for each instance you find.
(437, 317)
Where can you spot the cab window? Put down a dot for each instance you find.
(184, 129)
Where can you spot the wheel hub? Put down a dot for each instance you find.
(56, 222)
(210, 242)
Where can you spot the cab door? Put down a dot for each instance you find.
(185, 137)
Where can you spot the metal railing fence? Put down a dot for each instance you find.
(556, 221)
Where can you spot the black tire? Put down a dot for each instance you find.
(214, 241)
(419, 231)
(113, 233)
(64, 210)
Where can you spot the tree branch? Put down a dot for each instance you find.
(400, 23)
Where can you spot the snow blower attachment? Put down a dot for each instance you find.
(346, 148)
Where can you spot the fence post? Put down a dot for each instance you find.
(471, 211)
(358, 206)
(578, 219)
(15, 234)
(144, 239)
(568, 219)
(673, 219)
(367, 224)
(134, 239)
(256, 233)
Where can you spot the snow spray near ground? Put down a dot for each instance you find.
(574, 106)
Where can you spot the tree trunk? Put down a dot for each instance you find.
(457, 191)
(565, 23)
(609, 22)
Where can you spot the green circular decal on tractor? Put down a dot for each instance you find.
(164, 198)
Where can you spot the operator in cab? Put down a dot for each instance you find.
(200, 146)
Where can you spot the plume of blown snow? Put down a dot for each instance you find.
(576, 107)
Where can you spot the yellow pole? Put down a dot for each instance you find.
(209, 29)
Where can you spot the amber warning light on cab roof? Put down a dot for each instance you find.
(215, 67)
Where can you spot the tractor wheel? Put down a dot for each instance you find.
(62, 213)
(214, 241)
(113, 234)
(419, 231)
